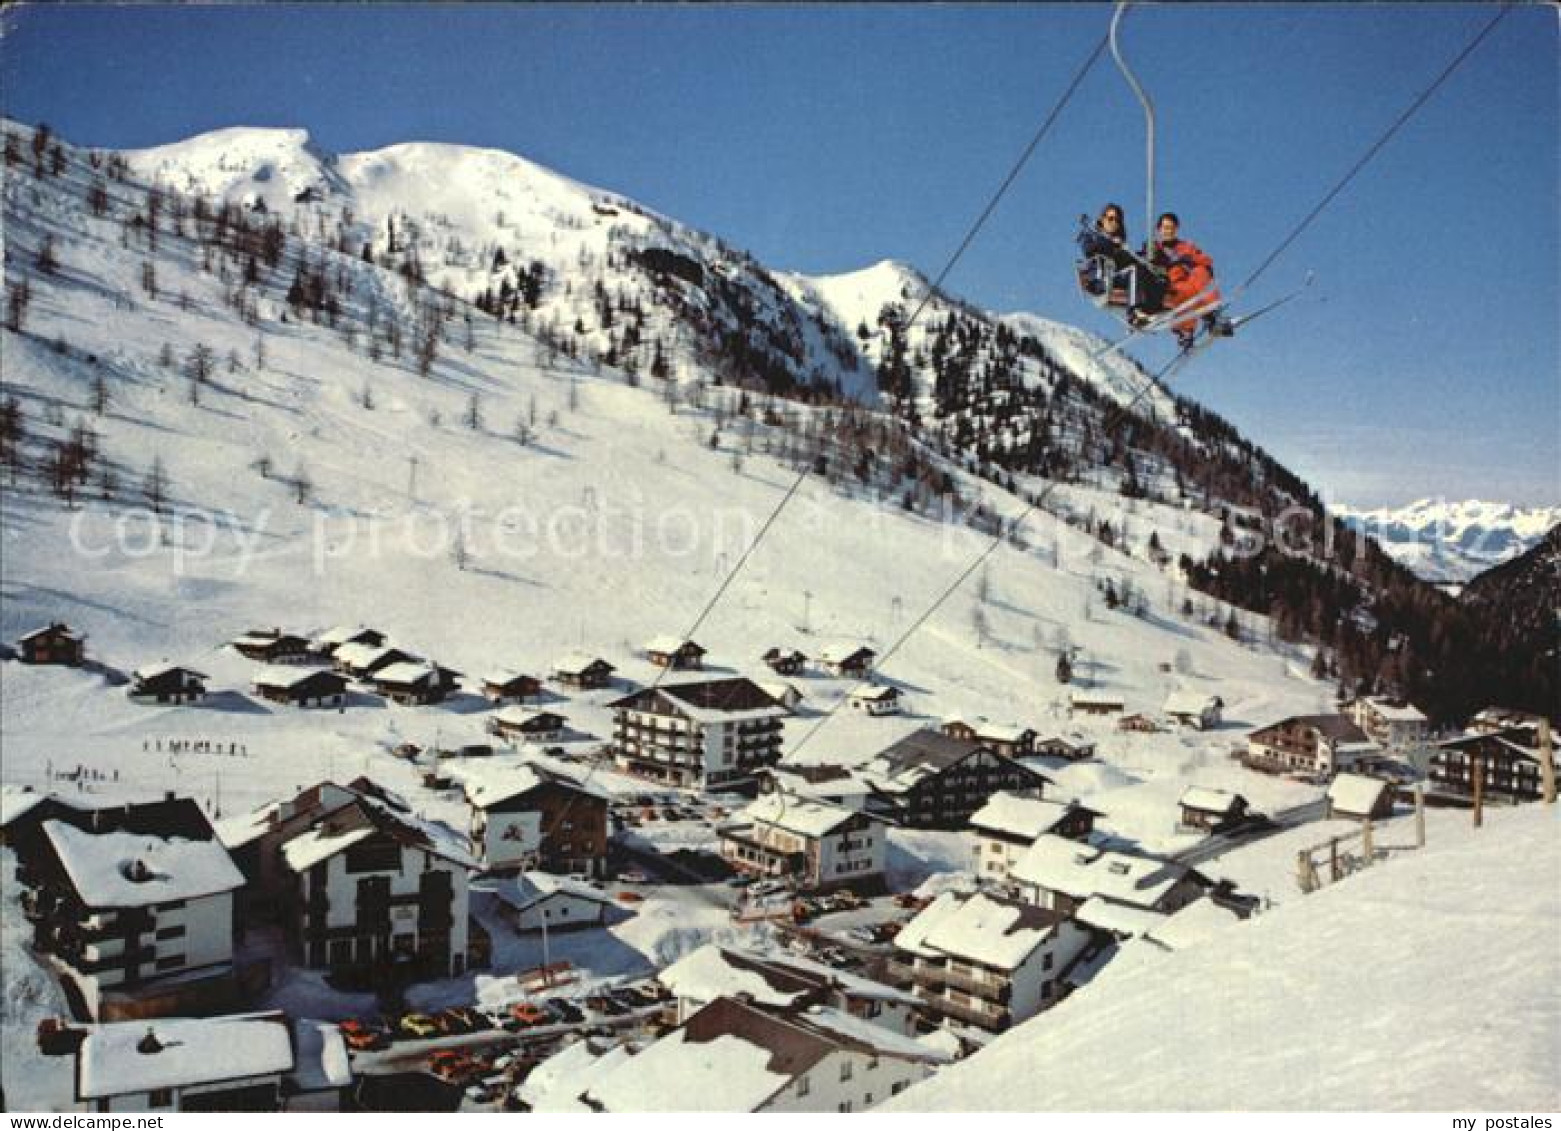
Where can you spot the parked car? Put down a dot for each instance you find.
(565, 1010)
(633, 876)
(454, 1067)
(630, 897)
(418, 1026)
(529, 1014)
(362, 1037)
(471, 1019)
(607, 1004)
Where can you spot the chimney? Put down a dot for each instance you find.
(149, 1044)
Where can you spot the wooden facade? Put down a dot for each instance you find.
(167, 684)
(930, 780)
(313, 689)
(55, 644)
(783, 662)
(272, 646)
(1508, 763)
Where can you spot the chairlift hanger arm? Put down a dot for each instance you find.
(1143, 98)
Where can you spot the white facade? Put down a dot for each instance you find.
(184, 935)
(507, 840)
(848, 1081)
(342, 895)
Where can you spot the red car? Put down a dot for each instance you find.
(361, 1037)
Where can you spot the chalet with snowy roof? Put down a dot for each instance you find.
(331, 639)
(1009, 823)
(929, 780)
(362, 885)
(364, 661)
(1095, 703)
(734, 1057)
(415, 683)
(1391, 723)
(674, 653)
(131, 899)
(1071, 747)
(880, 700)
(23, 810)
(1011, 740)
(781, 980)
(1356, 797)
(812, 844)
(583, 671)
(1211, 810)
(988, 961)
(535, 816)
(520, 724)
(55, 643)
(1138, 724)
(271, 646)
(536, 901)
(167, 683)
(505, 686)
(784, 661)
(1507, 763)
(312, 687)
(714, 734)
(1061, 874)
(1313, 745)
(847, 661)
(1194, 709)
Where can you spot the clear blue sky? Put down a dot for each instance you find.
(1424, 361)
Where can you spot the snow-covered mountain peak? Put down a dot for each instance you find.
(276, 165)
(1452, 540)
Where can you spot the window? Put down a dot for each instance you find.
(171, 933)
(171, 905)
(845, 1106)
(845, 1070)
(803, 1086)
(897, 1087)
(1046, 962)
(160, 1097)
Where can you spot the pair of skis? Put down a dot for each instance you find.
(1197, 307)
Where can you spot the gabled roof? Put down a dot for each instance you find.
(803, 816)
(523, 716)
(58, 628)
(577, 663)
(709, 700)
(1335, 728)
(361, 656)
(407, 673)
(770, 978)
(667, 645)
(987, 731)
(842, 651)
(1019, 816)
(1190, 703)
(366, 816)
(531, 888)
(157, 671)
(345, 634)
(1356, 793)
(876, 693)
(504, 677)
(125, 869)
(983, 928)
(285, 678)
(1207, 800)
(1081, 870)
(493, 782)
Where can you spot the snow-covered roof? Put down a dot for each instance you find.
(982, 928)
(340, 829)
(406, 672)
(1118, 918)
(1392, 712)
(153, 671)
(1189, 703)
(236, 831)
(1020, 816)
(880, 1038)
(1355, 793)
(1095, 699)
(769, 977)
(516, 716)
(1207, 800)
(1081, 870)
(530, 888)
(122, 869)
(284, 677)
(360, 656)
(575, 663)
(876, 693)
(52, 629)
(342, 634)
(129, 1057)
(841, 651)
(803, 816)
(779, 690)
(501, 677)
(680, 1073)
(556, 1085)
(667, 645)
(17, 801)
(731, 699)
(988, 731)
(489, 781)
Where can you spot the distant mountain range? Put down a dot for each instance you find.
(1446, 541)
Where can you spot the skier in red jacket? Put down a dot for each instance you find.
(1189, 275)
